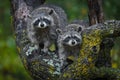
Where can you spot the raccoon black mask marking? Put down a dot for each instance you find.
(71, 37)
(42, 23)
(69, 42)
(72, 40)
(43, 20)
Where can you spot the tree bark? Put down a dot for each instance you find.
(46, 66)
(96, 16)
(84, 68)
(34, 63)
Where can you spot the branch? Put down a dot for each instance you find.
(47, 66)
(110, 28)
(38, 65)
(92, 38)
(95, 12)
(92, 13)
(104, 58)
(99, 11)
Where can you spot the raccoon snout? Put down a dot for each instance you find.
(73, 42)
(42, 25)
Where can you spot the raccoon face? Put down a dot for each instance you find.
(43, 20)
(71, 35)
(73, 39)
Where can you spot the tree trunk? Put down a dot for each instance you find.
(42, 66)
(95, 12)
(96, 16)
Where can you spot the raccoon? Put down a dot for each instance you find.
(69, 42)
(42, 24)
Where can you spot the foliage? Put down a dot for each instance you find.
(11, 67)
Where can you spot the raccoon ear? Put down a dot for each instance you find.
(59, 31)
(79, 29)
(51, 12)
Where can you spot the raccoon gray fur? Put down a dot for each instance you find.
(83, 23)
(69, 41)
(42, 25)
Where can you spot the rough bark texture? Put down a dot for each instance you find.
(95, 12)
(84, 68)
(96, 15)
(43, 66)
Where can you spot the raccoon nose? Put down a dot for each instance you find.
(73, 42)
(42, 25)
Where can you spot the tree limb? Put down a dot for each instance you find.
(95, 12)
(96, 15)
(46, 66)
(92, 37)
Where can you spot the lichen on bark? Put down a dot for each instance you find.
(47, 66)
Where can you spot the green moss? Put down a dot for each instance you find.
(87, 56)
(52, 47)
(89, 41)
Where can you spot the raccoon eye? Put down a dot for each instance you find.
(66, 39)
(36, 22)
(46, 21)
(76, 38)
(69, 37)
